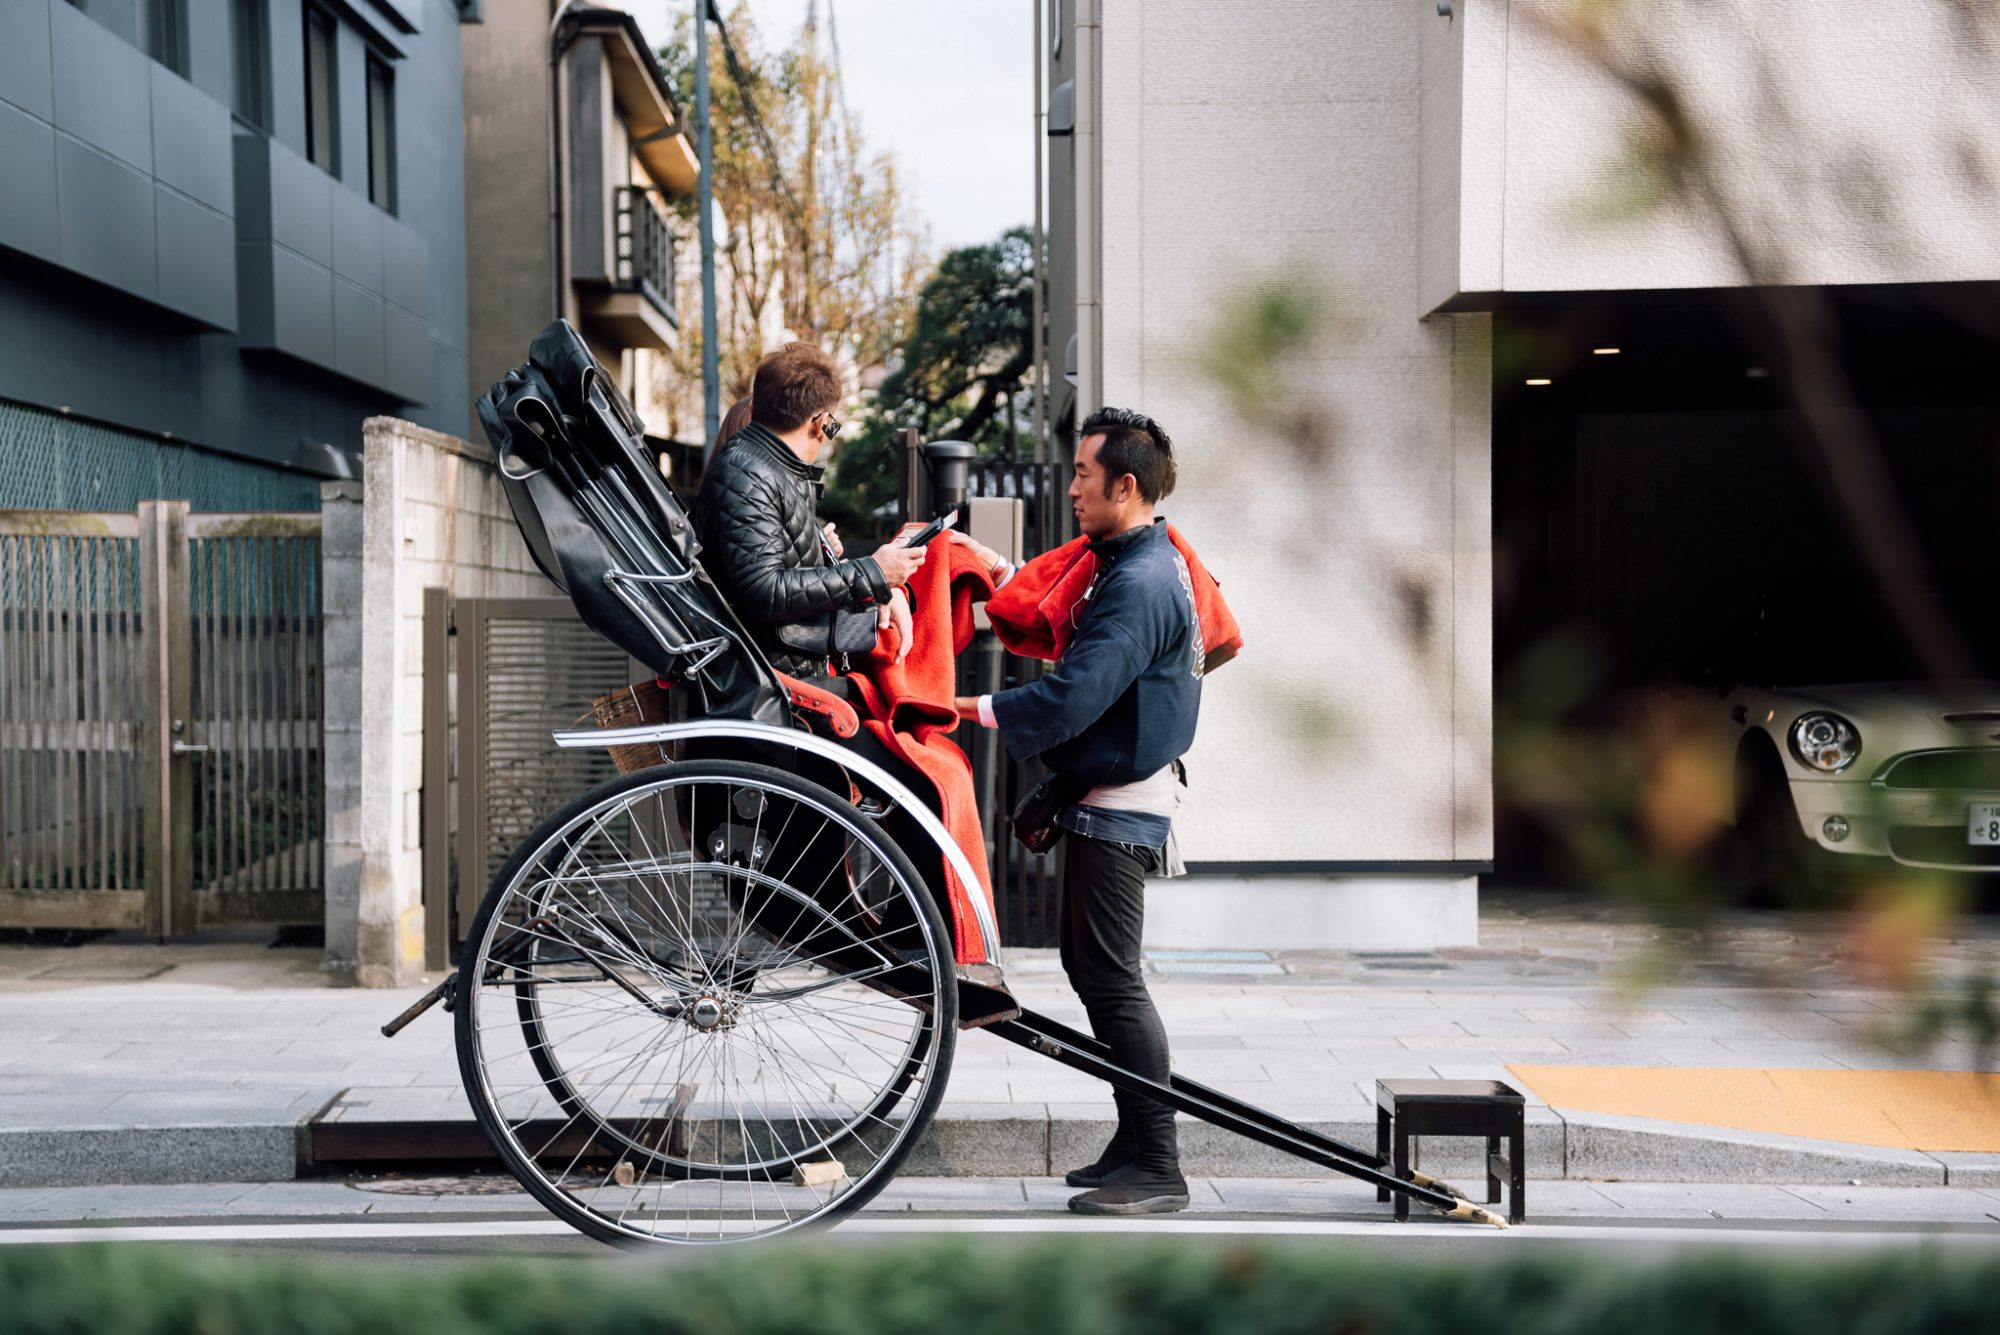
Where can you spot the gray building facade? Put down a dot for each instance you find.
(232, 230)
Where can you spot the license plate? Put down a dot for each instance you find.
(1982, 823)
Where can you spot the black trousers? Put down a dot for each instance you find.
(1104, 914)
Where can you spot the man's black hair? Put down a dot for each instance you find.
(1133, 443)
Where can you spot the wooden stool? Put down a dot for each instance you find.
(1406, 1108)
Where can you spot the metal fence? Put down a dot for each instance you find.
(72, 711)
(500, 675)
(1042, 489)
(254, 711)
(1026, 886)
(643, 247)
(54, 461)
(160, 720)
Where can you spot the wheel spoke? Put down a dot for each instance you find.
(666, 1016)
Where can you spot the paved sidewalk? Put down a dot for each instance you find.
(127, 1063)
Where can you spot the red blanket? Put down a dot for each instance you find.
(1032, 614)
(908, 707)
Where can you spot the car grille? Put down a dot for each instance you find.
(1942, 844)
(1967, 769)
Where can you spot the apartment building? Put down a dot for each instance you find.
(233, 230)
(574, 149)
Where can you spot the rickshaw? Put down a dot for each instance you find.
(715, 999)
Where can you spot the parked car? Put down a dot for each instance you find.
(1836, 738)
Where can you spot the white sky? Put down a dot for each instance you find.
(946, 85)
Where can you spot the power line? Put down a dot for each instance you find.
(741, 78)
(839, 79)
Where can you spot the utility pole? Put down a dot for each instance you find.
(1044, 505)
(711, 373)
(808, 304)
(1089, 214)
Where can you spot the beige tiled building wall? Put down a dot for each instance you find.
(1849, 142)
(1278, 144)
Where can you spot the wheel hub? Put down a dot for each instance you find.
(711, 1013)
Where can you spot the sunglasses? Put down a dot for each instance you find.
(829, 425)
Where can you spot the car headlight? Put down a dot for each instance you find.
(1825, 742)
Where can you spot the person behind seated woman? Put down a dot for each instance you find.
(757, 518)
(733, 421)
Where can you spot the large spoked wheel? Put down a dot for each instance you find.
(704, 1003)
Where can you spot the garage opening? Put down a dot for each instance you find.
(1655, 476)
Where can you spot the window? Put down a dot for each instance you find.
(167, 34)
(322, 105)
(381, 133)
(251, 48)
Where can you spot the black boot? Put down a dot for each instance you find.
(1135, 1190)
(1152, 1182)
(1116, 1155)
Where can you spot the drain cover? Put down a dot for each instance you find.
(1265, 966)
(482, 1184)
(1400, 959)
(1212, 956)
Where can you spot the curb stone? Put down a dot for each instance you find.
(1005, 1140)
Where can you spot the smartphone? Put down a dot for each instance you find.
(924, 536)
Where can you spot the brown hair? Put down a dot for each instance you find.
(793, 385)
(733, 421)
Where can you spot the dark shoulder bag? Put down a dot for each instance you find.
(1035, 818)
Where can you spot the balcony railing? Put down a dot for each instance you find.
(643, 258)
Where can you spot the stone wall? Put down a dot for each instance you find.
(429, 513)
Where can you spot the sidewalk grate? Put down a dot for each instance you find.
(1219, 967)
(1213, 956)
(1237, 962)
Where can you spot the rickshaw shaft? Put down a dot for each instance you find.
(1077, 1038)
(1081, 1052)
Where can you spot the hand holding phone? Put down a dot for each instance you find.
(925, 535)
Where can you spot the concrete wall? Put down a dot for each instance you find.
(1853, 143)
(429, 514)
(507, 186)
(1278, 143)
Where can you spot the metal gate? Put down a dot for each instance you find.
(1026, 886)
(160, 719)
(500, 675)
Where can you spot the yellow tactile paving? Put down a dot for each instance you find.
(1908, 1110)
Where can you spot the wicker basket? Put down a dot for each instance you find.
(640, 703)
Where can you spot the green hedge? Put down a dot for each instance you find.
(865, 1286)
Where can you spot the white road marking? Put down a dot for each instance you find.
(487, 1228)
(1158, 1227)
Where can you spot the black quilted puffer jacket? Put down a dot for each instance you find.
(757, 517)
